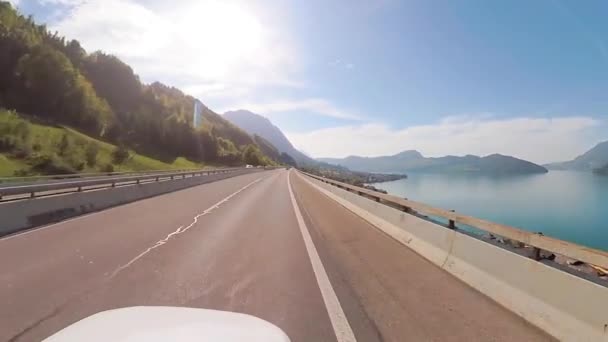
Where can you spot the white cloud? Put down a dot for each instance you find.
(315, 105)
(62, 2)
(540, 140)
(338, 63)
(211, 46)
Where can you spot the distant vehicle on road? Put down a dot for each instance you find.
(249, 166)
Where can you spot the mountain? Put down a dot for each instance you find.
(414, 161)
(267, 147)
(256, 124)
(596, 157)
(50, 81)
(393, 163)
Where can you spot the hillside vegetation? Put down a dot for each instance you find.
(30, 148)
(57, 84)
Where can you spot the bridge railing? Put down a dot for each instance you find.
(78, 185)
(537, 241)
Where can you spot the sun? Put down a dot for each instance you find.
(219, 36)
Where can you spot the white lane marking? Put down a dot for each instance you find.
(41, 228)
(338, 319)
(182, 229)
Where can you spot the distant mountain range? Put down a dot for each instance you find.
(413, 161)
(402, 163)
(256, 124)
(595, 158)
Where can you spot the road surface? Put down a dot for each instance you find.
(242, 244)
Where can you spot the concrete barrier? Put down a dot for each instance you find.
(566, 306)
(25, 214)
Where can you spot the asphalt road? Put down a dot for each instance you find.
(314, 269)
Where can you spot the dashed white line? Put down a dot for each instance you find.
(182, 229)
(339, 322)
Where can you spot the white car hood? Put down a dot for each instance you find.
(170, 324)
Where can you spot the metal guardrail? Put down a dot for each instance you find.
(78, 185)
(5, 180)
(538, 241)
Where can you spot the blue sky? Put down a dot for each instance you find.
(373, 77)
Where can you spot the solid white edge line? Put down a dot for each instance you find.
(338, 319)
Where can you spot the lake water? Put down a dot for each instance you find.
(568, 205)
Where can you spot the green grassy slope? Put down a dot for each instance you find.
(9, 166)
(24, 143)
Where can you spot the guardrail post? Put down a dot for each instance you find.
(452, 224)
(536, 251)
(32, 194)
(377, 199)
(157, 178)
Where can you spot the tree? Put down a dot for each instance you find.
(74, 51)
(252, 156)
(22, 131)
(46, 78)
(49, 86)
(91, 153)
(64, 144)
(114, 80)
(120, 154)
(107, 168)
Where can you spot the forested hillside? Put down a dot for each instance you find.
(51, 81)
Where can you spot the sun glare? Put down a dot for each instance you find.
(221, 36)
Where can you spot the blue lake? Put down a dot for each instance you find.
(568, 205)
